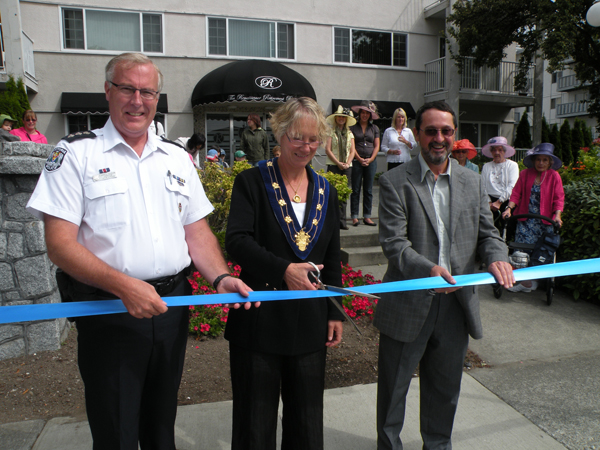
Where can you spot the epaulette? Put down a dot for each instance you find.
(79, 135)
(164, 139)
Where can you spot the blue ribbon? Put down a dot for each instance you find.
(46, 311)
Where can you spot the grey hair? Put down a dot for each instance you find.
(287, 115)
(129, 60)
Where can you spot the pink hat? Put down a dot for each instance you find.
(465, 144)
(497, 142)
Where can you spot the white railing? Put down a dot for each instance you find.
(28, 64)
(500, 79)
(571, 109)
(435, 75)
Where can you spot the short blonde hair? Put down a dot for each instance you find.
(129, 60)
(285, 118)
(402, 113)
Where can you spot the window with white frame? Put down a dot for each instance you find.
(370, 47)
(85, 122)
(262, 39)
(94, 29)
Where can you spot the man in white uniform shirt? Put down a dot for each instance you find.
(121, 205)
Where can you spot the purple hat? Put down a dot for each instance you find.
(545, 148)
(367, 106)
(497, 142)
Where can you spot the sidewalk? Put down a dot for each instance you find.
(483, 422)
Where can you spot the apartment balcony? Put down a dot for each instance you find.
(493, 85)
(573, 109)
(570, 83)
(16, 52)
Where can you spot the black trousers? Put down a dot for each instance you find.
(343, 205)
(131, 369)
(257, 380)
(498, 220)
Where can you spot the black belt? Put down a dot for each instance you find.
(166, 285)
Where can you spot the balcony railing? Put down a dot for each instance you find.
(500, 79)
(571, 109)
(28, 64)
(2, 67)
(570, 82)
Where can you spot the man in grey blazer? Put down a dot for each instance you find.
(434, 218)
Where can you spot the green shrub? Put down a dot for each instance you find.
(13, 100)
(587, 165)
(340, 182)
(581, 234)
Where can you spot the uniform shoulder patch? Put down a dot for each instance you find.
(79, 135)
(55, 159)
(164, 139)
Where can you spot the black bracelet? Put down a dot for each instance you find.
(218, 280)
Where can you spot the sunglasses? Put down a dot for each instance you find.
(458, 151)
(30, 120)
(432, 132)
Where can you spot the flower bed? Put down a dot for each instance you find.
(210, 320)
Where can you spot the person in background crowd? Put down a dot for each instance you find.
(239, 156)
(125, 215)
(500, 175)
(340, 150)
(281, 352)
(434, 219)
(157, 128)
(222, 156)
(463, 151)
(398, 140)
(539, 190)
(193, 145)
(212, 156)
(255, 142)
(366, 142)
(276, 151)
(28, 132)
(7, 124)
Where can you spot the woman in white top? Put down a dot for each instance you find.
(500, 175)
(398, 140)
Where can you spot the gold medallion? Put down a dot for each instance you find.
(297, 199)
(282, 202)
(302, 240)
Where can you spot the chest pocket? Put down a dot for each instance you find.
(107, 204)
(178, 206)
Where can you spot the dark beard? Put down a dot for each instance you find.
(435, 160)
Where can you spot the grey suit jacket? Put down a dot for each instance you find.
(408, 236)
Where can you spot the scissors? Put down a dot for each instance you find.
(316, 275)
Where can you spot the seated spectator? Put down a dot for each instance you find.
(240, 156)
(212, 155)
(222, 156)
(7, 124)
(28, 131)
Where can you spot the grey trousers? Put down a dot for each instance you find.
(440, 349)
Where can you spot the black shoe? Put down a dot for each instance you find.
(355, 224)
(371, 224)
(343, 226)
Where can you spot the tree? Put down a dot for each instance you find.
(14, 101)
(576, 138)
(545, 130)
(554, 29)
(565, 142)
(588, 138)
(555, 140)
(523, 138)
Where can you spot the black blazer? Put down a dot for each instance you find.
(256, 242)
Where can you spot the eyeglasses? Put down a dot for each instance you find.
(30, 120)
(432, 132)
(129, 91)
(458, 151)
(300, 143)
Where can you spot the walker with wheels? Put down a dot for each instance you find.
(525, 255)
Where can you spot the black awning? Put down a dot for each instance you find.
(252, 80)
(95, 103)
(384, 108)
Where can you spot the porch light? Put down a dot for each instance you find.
(593, 14)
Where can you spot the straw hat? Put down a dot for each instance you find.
(341, 112)
(545, 148)
(465, 144)
(367, 106)
(497, 142)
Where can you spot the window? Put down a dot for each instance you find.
(370, 47)
(554, 77)
(85, 122)
(552, 103)
(94, 29)
(478, 133)
(236, 37)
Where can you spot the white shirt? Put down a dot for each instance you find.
(500, 179)
(440, 194)
(130, 210)
(391, 141)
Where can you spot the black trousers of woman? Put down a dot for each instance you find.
(257, 380)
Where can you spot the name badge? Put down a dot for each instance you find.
(104, 176)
